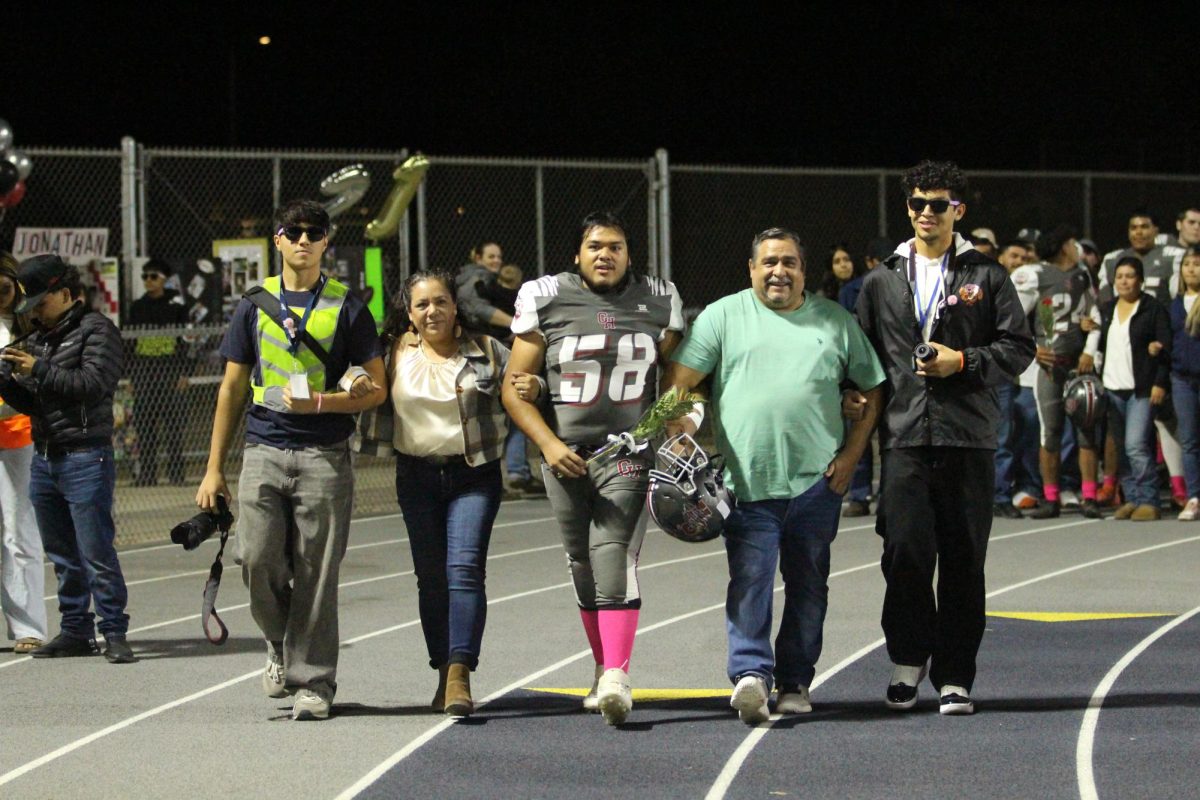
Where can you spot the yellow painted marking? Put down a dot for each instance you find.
(647, 695)
(1067, 616)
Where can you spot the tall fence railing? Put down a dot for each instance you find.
(692, 223)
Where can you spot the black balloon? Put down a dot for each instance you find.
(8, 176)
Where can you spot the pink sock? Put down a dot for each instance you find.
(1178, 486)
(1050, 492)
(1089, 490)
(617, 629)
(1110, 481)
(591, 626)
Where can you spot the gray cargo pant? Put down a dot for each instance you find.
(294, 522)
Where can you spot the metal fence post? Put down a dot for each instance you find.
(422, 243)
(882, 199)
(539, 193)
(1087, 205)
(664, 214)
(129, 212)
(652, 246)
(276, 183)
(143, 234)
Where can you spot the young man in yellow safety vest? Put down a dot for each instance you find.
(297, 484)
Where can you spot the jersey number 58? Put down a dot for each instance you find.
(582, 359)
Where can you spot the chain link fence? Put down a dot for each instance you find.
(174, 204)
(531, 209)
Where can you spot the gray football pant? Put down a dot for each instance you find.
(603, 520)
(294, 522)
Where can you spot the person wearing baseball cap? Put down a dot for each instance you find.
(64, 377)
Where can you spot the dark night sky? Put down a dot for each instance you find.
(1001, 86)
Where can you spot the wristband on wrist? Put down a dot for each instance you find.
(962, 360)
(696, 415)
(319, 395)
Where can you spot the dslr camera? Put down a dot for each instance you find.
(201, 527)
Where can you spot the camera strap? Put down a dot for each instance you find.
(209, 609)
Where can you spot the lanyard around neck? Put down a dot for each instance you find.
(925, 309)
(293, 332)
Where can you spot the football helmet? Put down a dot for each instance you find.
(1084, 400)
(687, 496)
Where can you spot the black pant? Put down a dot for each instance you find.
(937, 513)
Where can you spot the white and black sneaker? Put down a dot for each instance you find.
(749, 699)
(956, 701)
(902, 688)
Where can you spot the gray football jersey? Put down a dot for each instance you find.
(601, 350)
(1068, 295)
(1160, 264)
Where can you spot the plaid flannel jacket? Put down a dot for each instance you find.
(484, 422)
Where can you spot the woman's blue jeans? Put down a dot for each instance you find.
(449, 510)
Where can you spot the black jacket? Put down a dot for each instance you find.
(1150, 323)
(69, 396)
(986, 322)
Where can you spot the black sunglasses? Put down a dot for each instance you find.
(938, 206)
(151, 276)
(294, 232)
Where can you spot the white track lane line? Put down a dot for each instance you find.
(71, 747)
(356, 521)
(1087, 731)
(417, 743)
(192, 574)
(729, 772)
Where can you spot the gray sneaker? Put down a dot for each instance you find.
(273, 677)
(793, 700)
(311, 703)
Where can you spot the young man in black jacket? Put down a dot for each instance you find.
(939, 433)
(64, 378)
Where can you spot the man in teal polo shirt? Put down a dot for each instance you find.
(778, 357)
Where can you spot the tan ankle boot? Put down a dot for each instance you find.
(458, 691)
(439, 697)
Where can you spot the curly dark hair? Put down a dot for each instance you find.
(1049, 243)
(930, 175)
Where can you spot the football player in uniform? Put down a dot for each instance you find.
(1056, 294)
(599, 335)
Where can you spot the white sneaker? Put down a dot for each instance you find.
(311, 704)
(1191, 510)
(793, 702)
(749, 699)
(1068, 498)
(956, 701)
(273, 677)
(1024, 500)
(613, 695)
(591, 703)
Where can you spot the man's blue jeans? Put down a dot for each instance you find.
(1131, 420)
(449, 511)
(796, 534)
(72, 496)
